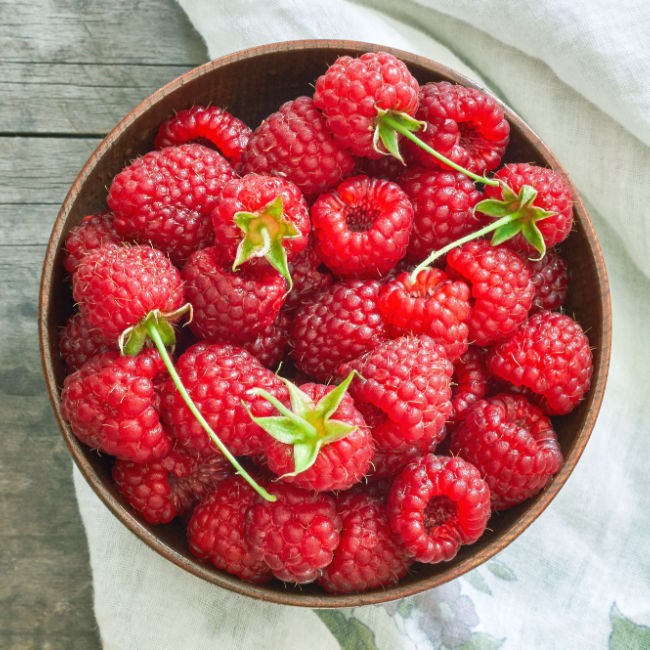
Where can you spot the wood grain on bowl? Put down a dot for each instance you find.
(251, 84)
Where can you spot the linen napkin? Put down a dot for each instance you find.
(579, 577)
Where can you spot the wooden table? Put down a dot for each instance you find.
(70, 70)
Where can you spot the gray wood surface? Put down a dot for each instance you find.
(71, 69)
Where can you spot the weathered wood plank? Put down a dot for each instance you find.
(41, 170)
(53, 98)
(45, 591)
(26, 224)
(120, 31)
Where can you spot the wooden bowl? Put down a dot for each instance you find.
(251, 84)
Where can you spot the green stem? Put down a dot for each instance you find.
(155, 337)
(459, 242)
(389, 121)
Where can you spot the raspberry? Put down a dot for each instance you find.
(463, 124)
(433, 305)
(512, 443)
(110, 405)
(550, 355)
(218, 377)
(165, 198)
(294, 143)
(361, 229)
(297, 534)
(389, 460)
(501, 289)
(339, 464)
(216, 532)
(309, 275)
(437, 504)
(406, 389)
(163, 489)
(553, 194)
(369, 554)
(550, 275)
(352, 90)
(116, 287)
(93, 231)
(230, 306)
(80, 341)
(443, 207)
(271, 343)
(260, 216)
(472, 381)
(339, 324)
(207, 123)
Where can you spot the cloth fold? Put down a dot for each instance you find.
(579, 577)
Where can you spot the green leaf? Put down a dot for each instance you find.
(495, 207)
(350, 633)
(481, 641)
(501, 571)
(505, 232)
(277, 258)
(386, 133)
(527, 195)
(388, 138)
(301, 403)
(304, 456)
(533, 236)
(476, 580)
(627, 635)
(328, 404)
(281, 428)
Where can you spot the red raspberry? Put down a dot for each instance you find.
(218, 377)
(309, 275)
(339, 464)
(80, 341)
(512, 443)
(297, 534)
(390, 460)
(434, 305)
(207, 123)
(550, 275)
(93, 231)
(463, 124)
(361, 229)
(294, 143)
(163, 489)
(387, 168)
(271, 343)
(230, 306)
(351, 90)
(254, 195)
(551, 356)
(443, 207)
(553, 194)
(369, 554)
(216, 532)
(116, 287)
(110, 405)
(407, 381)
(501, 289)
(165, 198)
(339, 324)
(437, 504)
(471, 379)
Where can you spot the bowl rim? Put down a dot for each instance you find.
(48, 344)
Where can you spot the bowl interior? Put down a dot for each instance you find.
(252, 84)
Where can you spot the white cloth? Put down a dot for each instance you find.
(578, 71)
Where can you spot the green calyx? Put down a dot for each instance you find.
(516, 213)
(388, 124)
(308, 425)
(264, 231)
(133, 339)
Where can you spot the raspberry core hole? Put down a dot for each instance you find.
(440, 510)
(360, 219)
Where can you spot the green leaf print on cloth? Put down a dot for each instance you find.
(627, 635)
(351, 633)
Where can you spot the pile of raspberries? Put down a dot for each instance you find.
(294, 245)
